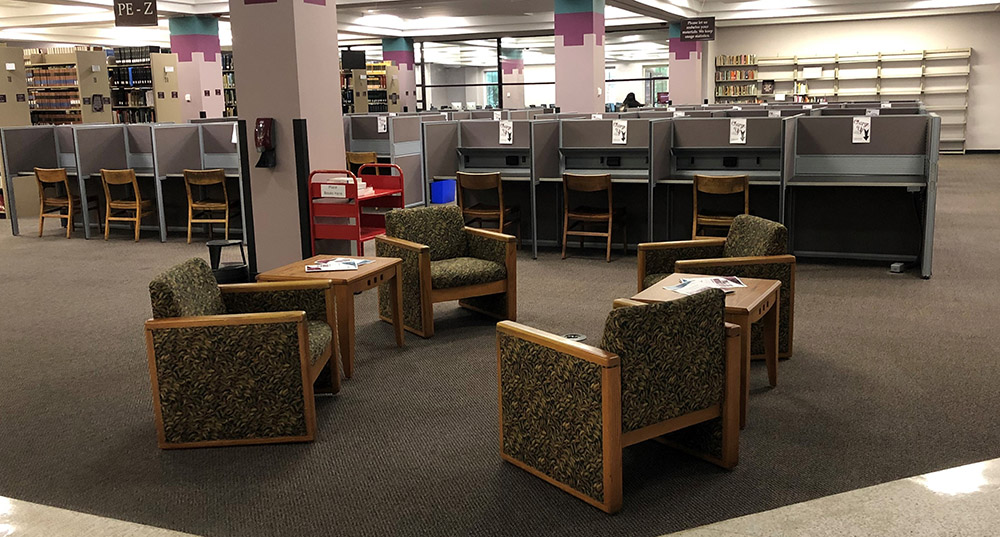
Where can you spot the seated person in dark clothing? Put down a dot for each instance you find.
(631, 102)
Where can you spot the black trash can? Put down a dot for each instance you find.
(229, 272)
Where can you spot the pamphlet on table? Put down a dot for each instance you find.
(693, 286)
(337, 264)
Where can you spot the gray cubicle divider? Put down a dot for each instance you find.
(96, 147)
(702, 146)
(24, 149)
(433, 117)
(175, 149)
(867, 190)
(399, 145)
(139, 146)
(489, 114)
(661, 137)
(544, 164)
(457, 115)
(219, 150)
(586, 147)
(439, 141)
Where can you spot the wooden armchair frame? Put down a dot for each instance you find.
(309, 372)
(429, 296)
(613, 440)
(686, 260)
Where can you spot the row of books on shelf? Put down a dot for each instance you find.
(227, 61)
(132, 98)
(54, 100)
(736, 91)
(738, 59)
(29, 52)
(56, 118)
(133, 55)
(131, 76)
(230, 111)
(135, 115)
(52, 76)
(736, 74)
(229, 80)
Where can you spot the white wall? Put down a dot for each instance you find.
(540, 94)
(980, 31)
(615, 92)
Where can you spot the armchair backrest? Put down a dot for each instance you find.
(440, 228)
(186, 290)
(672, 356)
(752, 236)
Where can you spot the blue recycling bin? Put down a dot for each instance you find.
(443, 191)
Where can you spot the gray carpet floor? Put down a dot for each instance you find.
(892, 376)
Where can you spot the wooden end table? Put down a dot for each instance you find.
(382, 270)
(744, 306)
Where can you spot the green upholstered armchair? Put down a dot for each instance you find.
(235, 364)
(754, 248)
(667, 371)
(443, 261)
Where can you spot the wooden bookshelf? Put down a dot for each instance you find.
(229, 83)
(14, 110)
(144, 86)
(63, 85)
(375, 89)
(938, 78)
(736, 79)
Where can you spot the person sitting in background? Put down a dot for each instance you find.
(631, 102)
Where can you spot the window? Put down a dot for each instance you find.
(492, 92)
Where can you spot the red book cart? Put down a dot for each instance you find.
(348, 207)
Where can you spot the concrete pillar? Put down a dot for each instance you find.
(686, 69)
(512, 67)
(288, 70)
(579, 35)
(195, 40)
(400, 51)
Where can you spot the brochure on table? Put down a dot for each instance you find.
(693, 286)
(337, 264)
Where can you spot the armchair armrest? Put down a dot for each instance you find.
(684, 265)
(202, 370)
(560, 412)
(660, 257)
(313, 297)
(490, 245)
(416, 275)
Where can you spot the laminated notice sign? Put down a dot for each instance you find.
(862, 132)
(333, 191)
(506, 132)
(738, 130)
(872, 112)
(774, 113)
(619, 132)
(497, 115)
(679, 113)
(886, 105)
(383, 124)
(596, 116)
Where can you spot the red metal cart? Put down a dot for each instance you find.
(348, 207)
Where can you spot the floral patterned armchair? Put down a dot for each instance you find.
(754, 248)
(667, 371)
(236, 364)
(443, 260)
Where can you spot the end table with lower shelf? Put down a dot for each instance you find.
(382, 270)
(744, 306)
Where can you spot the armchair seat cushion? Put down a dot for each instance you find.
(463, 271)
(650, 279)
(320, 335)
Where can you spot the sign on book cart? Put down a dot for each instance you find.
(862, 133)
(738, 130)
(506, 132)
(135, 13)
(333, 191)
(619, 132)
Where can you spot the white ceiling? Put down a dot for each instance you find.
(364, 21)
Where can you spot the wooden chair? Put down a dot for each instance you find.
(51, 204)
(719, 185)
(584, 215)
(124, 209)
(504, 215)
(668, 372)
(754, 248)
(200, 210)
(355, 160)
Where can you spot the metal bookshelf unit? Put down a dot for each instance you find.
(229, 83)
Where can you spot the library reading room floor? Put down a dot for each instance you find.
(893, 377)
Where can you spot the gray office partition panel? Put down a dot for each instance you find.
(220, 148)
(856, 200)
(489, 114)
(64, 145)
(518, 114)
(788, 131)
(433, 117)
(661, 140)
(742, 113)
(544, 164)
(139, 146)
(405, 152)
(24, 149)
(94, 148)
(460, 115)
(439, 141)
(364, 136)
(486, 134)
(175, 148)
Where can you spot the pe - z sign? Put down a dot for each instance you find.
(135, 12)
